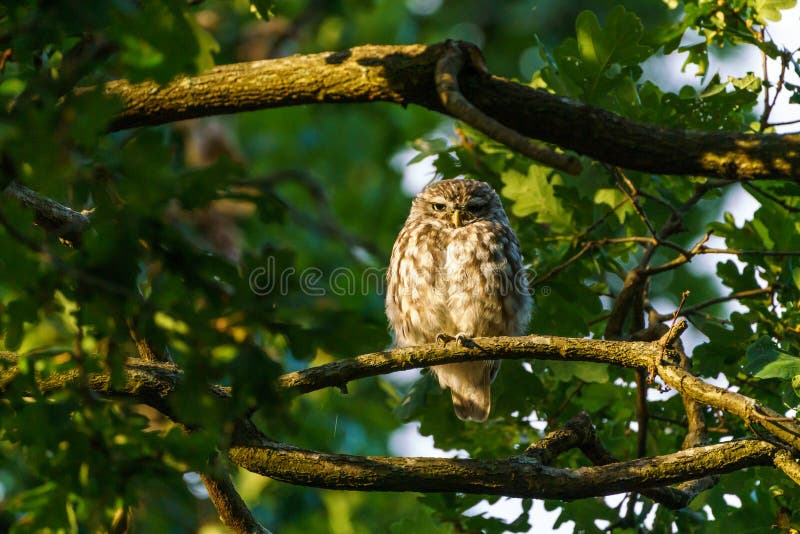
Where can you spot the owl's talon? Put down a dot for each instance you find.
(463, 339)
(444, 339)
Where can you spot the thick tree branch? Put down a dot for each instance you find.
(513, 477)
(156, 379)
(735, 403)
(785, 462)
(233, 511)
(406, 75)
(338, 373)
(579, 432)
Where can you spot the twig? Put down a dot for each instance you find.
(642, 408)
(687, 255)
(779, 85)
(673, 333)
(5, 56)
(636, 279)
(740, 252)
(738, 295)
(589, 245)
(759, 35)
(684, 257)
(770, 104)
(631, 193)
(751, 187)
(558, 268)
(447, 70)
(784, 123)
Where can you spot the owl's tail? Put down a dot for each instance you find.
(470, 385)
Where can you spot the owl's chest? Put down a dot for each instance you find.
(463, 254)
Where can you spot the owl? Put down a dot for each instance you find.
(456, 272)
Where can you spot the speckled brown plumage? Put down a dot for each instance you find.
(456, 269)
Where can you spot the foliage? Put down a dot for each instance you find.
(183, 215)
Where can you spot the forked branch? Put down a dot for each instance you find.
(407, 75)
(447, 71)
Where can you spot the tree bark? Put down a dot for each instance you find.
(406, 75)
(512, 477)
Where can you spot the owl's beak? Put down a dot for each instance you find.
(457, 218)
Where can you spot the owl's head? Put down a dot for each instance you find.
(457, 203)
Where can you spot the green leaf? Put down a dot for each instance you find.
(601, 61)
(785, 367)
(207, 46)
(759, 354)
(418, 398)
(698, 55)
(18, 313)
(612, 197)
(587, 372)
(749, 82)
(534, 194)
(421, 522)
(617, 43)
(765, 360)
(771, 9)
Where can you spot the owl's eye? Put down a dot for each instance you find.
(475, 207)
(437, 206)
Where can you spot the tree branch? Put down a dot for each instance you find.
(406, 75)
(579, 432)
(735, 403)
(737, 295)
(154, 380)
(338, 373)
(233, 511)
(63, 221)
(513, 477)
(447, 71)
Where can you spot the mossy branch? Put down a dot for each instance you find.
(512, 477)
(407, 75)
(152, 382)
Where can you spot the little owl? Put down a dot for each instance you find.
(456, 272)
